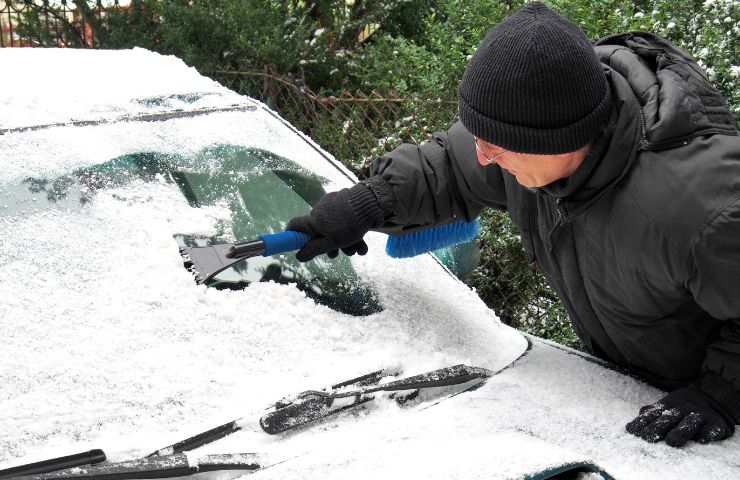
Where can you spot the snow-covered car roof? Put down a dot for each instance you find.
(109, 343)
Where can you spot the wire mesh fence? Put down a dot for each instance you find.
(32, 23)
(354, 126)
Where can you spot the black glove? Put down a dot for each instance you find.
(686, 414)
(339, 221)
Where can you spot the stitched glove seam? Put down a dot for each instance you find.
(383, 194)
(365, 206)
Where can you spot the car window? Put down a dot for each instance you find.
(261, 191)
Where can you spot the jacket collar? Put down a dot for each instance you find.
(612, 155)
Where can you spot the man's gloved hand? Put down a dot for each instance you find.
(339, 221)
(685, 414)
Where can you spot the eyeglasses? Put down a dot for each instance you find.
(489, 152)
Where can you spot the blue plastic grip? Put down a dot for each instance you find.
(282, 242)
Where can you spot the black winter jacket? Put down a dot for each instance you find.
(642, 242)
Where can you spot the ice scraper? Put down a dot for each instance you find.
(207, 262)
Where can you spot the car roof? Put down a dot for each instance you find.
(110, 84)
(109, 343)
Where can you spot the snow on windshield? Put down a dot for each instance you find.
(106, 335)
(109, 342)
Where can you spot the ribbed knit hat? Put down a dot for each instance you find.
(535, 85)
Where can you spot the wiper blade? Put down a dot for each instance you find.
(221, 431)
(312, 405)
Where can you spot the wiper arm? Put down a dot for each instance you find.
(169, 466)
(54, 464)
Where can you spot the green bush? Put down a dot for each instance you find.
(709, 30)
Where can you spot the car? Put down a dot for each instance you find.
(109, 343)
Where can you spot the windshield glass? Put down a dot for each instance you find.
(260, 190)
(107, 338)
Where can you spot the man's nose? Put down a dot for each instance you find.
(485, 160)
(482, 160)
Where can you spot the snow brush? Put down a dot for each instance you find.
(207, 262)
(413, 242)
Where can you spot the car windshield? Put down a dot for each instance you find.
(107, 338)
(260, 190)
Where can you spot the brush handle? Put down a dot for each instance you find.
(282, 242)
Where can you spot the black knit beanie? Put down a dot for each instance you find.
(535, 85)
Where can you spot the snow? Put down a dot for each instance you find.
(583, 407)
(107, 84)
(549, 408)
(86, 312)
(108, 342)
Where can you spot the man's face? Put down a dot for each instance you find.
(530, 170)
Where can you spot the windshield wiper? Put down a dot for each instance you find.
(168, 466)
(54, 464)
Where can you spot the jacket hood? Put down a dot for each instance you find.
(676, 99)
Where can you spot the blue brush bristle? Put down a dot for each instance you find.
(429, 239)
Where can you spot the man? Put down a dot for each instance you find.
(620, 164)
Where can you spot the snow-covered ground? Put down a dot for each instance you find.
(108, 343)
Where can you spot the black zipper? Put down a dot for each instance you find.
(677, 142)
(644, 144)
(562, 212)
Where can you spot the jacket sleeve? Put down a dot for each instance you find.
(715, 285)
(437, 181)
